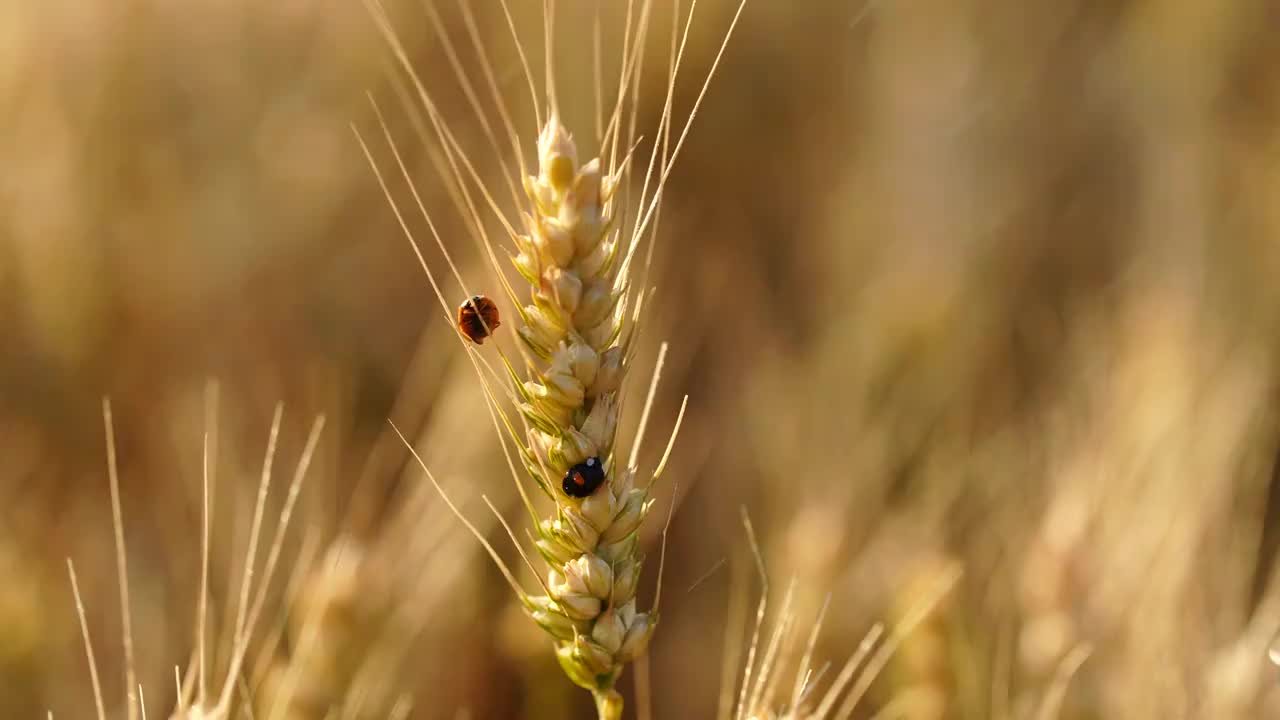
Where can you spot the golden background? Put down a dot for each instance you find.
(975, 284)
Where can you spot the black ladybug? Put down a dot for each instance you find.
(583, 478)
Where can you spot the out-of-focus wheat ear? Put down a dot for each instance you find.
(142, 702)
(1051, 705)
(502, 566)
(242, 638)
(88, 644)
(302, 565)
(122, 566)
(418, 596)
(748, 671)
(803, 670)
(904, 628)
(310, 632)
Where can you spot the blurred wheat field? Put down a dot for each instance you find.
(953, 286)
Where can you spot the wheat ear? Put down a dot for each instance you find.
(575, 323)
(762, 674)
(578, 325)
(576, 254)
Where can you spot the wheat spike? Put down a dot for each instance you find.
(573, 245)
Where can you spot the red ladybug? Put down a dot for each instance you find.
(478, 318)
